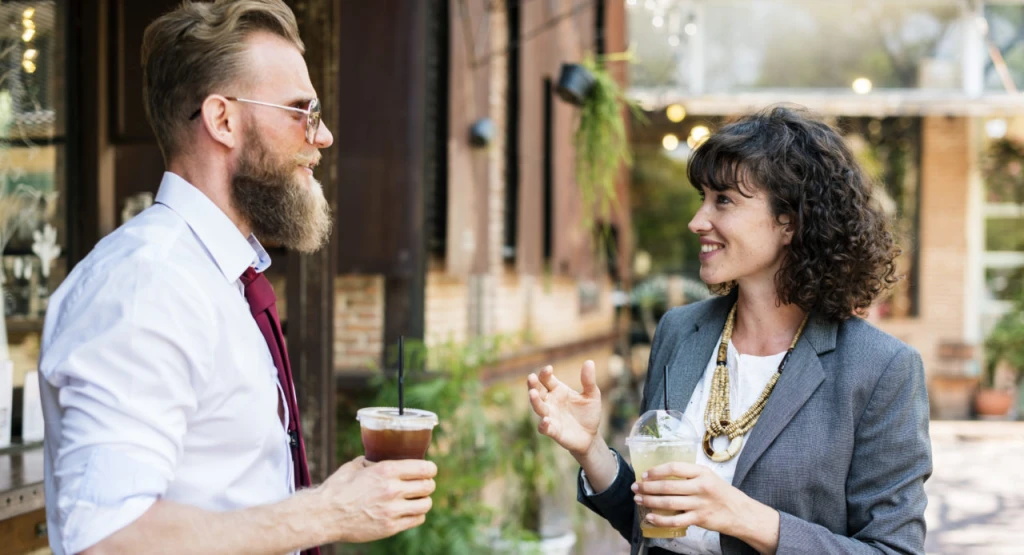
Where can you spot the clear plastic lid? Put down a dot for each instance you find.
(388, 418)
(662, 426)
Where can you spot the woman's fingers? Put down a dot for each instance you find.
(548, 379)
(668, 487)
(673, 470)
(539, 406)
(672, 521)
(668, 502)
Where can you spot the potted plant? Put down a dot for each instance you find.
(1004, 363)
(446, 380)
(531, 471)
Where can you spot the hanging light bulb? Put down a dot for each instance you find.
(31, 54)
(675, 113)
(670, 142)
(690, 29)
(673, 40)
(28, 34)
(658, 21)
(28, 13)
(29, 65)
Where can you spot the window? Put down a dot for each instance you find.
(33, 156)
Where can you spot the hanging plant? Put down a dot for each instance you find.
(1004, 171)
(602, 146)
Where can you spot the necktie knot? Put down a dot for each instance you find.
(259, 293)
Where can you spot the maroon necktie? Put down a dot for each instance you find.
(262, 303)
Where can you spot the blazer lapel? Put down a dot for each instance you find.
(802, 376)
(691, 356)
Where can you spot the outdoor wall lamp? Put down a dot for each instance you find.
(481, 133)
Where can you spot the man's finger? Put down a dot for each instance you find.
(415, 507)
(408, 522)
(409, 469)
(416, 489)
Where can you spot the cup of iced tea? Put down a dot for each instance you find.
(659, 437)
(389, 434)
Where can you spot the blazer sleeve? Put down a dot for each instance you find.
(885, 486)
(614, 504)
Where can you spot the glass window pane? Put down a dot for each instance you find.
(1004, 234)
(32, 153)
(753, 44)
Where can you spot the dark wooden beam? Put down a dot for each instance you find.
(310, 289)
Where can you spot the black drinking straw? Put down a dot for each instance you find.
(401, 375)
(664, 384)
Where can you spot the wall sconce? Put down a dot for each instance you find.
(481, 133)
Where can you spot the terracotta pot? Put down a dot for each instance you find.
(993, 402)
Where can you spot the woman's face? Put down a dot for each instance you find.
(740, 238)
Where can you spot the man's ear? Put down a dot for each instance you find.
(220, 120)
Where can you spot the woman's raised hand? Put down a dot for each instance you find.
(569, 417)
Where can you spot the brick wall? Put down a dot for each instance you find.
(358, 321)
(947, 168)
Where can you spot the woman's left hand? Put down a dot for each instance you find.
(702, 498)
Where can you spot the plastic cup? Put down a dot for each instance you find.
(388, 435)
(660, 437)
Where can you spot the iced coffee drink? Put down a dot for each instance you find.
(388, 435)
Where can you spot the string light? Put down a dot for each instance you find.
(28, 34)
(673, 40)
(670, 142)
(28, 13)
(658, 21)
(28, 59)
(698, 135)
(690, 29)
(862, 85)
(29, 66)
(675, 113)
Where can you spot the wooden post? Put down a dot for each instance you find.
(310, 289)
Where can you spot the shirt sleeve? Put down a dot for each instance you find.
(125, 354)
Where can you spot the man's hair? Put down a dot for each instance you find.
(843, 251)
(198, 50)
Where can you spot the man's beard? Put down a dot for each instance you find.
(277, 205)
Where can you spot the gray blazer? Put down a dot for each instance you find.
(841, 449)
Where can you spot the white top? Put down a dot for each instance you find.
(747, 377)
(158, 383)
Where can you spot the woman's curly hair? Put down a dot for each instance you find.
(843, 249)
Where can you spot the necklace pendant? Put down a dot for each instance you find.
(721, 456)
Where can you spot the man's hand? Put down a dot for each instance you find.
(370, 501)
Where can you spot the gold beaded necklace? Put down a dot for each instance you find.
(717, 419)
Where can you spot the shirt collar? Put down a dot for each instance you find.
(230, 250)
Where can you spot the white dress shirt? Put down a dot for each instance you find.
(748, 375)
(158, 383)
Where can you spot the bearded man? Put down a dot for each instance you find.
(171, 417)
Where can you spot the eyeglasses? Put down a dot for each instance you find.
(312, 111)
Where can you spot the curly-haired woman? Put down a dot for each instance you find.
(817, 441)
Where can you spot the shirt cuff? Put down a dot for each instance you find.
(88, 525)
(588, 489)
